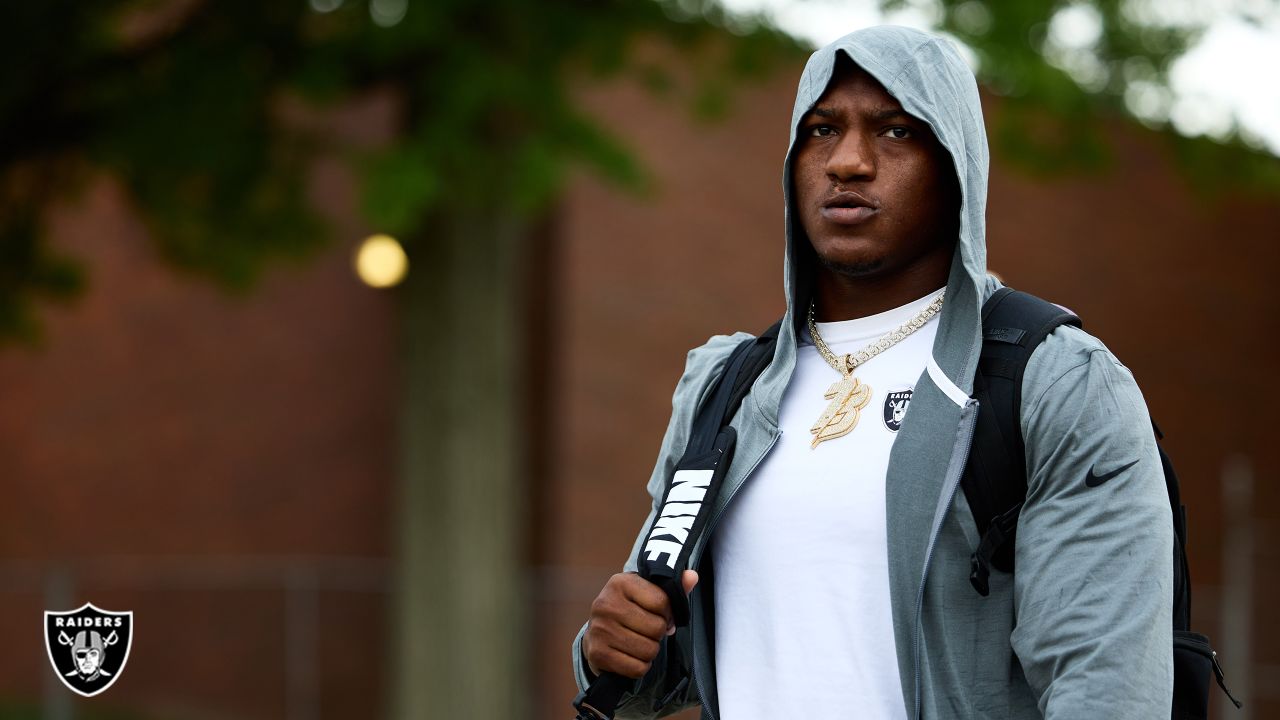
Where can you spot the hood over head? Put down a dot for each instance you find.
(927, 75)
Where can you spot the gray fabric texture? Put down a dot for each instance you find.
(1083, 627)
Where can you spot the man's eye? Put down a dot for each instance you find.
(898, 133)
(821, 130)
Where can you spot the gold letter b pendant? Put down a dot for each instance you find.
(848, 397)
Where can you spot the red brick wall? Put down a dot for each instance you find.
(221, 465)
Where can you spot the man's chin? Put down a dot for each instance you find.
(852, 267)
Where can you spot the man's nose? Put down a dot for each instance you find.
(853, 158)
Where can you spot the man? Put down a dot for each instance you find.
(833, 579)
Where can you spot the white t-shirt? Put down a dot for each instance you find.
(803, 620)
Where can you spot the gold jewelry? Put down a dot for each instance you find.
(848, 396)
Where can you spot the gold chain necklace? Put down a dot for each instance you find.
(847, 395)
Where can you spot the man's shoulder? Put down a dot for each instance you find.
(1070, 362)
(715, 351)
(705, 362)
(1066, 348)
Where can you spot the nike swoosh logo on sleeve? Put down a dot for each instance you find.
(1093, 479)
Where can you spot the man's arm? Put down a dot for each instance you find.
(1094, 557)
(702, 365)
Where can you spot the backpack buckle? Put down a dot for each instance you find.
(1002, 528)
(979, 574)
(665, 700)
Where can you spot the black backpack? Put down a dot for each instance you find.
(995, 483)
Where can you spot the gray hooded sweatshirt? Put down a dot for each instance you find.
(1082, 629)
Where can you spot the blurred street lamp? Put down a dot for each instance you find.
(380, 262)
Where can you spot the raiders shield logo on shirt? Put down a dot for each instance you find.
(895, 408)
(88, 646)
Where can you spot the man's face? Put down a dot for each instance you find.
(874, 189)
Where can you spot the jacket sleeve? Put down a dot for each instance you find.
(702, 365)
(1094, 574)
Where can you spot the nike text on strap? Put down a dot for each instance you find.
(686, 508)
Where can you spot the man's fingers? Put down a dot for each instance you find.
(651, 598)
(646, 595)
(617, 606)
(625, 665)
(644, 623)
(617, 649)
(641, 648)
(649, 613)
(689, 579)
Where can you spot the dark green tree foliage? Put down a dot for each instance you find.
(1050, 122)
(176, 98)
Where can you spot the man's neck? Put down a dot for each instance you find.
(841, 297)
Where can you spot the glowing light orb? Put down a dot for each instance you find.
(381, 262)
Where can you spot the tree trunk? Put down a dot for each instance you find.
(460, 601)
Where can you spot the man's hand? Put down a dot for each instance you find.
(628, 619)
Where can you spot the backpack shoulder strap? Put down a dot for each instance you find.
(758, 358)
(1181, 571)
(1014, 324)
(745, 363)
(685, 511)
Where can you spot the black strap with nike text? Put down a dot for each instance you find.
(686, 508)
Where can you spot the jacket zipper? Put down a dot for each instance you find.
(950, 489)
(706, 535)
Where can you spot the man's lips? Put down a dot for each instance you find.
(848, 208)
(848, 215)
